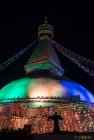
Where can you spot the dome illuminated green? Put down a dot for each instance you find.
(15, 89)
(44, 87)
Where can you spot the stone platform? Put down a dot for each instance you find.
(14, 135)
(65, 136)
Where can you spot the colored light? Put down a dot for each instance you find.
(21, 89)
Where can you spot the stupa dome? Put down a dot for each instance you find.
(44, 87)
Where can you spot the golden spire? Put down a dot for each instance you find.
(45, 31)
(45, 19)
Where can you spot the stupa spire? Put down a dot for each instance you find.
(45, 31)
(46, 20)
(44, 61)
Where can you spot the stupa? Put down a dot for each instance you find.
(45, 90)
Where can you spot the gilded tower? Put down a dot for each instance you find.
(44, 61)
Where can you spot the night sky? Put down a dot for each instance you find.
(73, 28)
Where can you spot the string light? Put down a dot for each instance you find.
(82, 60)
(75, 117)
(16, 56)
(76, 59)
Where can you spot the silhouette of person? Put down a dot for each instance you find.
(56, 123)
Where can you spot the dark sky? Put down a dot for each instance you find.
(73, 28)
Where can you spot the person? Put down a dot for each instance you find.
(56, 117)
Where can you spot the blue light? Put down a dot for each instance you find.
(71, 88)
(74, 88)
